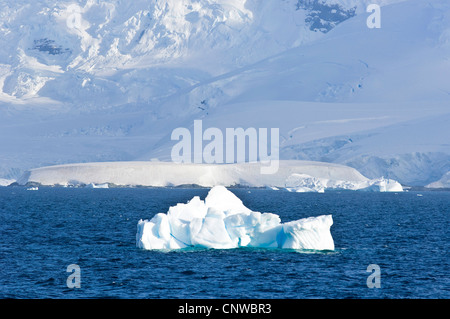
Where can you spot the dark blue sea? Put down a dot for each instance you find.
(43, 232)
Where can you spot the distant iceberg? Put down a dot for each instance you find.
(92, 185)
(304, 183)
(222, 221)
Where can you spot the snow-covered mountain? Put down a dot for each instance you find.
(86, 81)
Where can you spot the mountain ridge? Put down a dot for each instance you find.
(108, 81)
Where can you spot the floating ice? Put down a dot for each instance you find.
(92, 185)
(222, 221)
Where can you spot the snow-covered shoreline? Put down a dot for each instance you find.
(222, 221)
(6, 182)
(116, 87)
(297, 176)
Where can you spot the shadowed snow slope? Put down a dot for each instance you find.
(444, 182)
(222, 221)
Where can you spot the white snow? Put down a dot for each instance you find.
(6, 182)
(222, 221)
(103, 81)
(92, 185)
(302, 183)
(444, 182)
(311, 176)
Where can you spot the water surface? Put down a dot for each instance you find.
(44, 231)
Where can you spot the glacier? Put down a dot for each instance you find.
(222, 221)
(115, 86)
(297, 176)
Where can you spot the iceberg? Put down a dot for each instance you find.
(222, 221)
(302, 183)
(92, 185)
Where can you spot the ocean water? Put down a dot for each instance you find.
(43, 232)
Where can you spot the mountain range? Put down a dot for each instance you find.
(97, 81)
